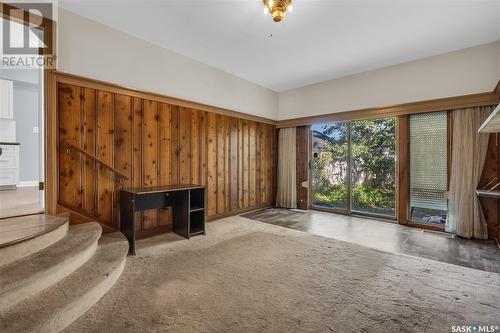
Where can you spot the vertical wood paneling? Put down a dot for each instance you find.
(265, 162)
(156, 143)
(137, 166)
(165, 215)
(88, 141)
(227, 164)
(105, 133)
(490, 171)
(258, 149)
(203, 147)
(70, 182)
(174, 140)
(221, 165)
(240, 164)
(195, 147)
(212, 164)
(150, 154)
(233, 172)
(246, 164)
(252, 159)
(122, 145)
(185, 146)
(273, 167)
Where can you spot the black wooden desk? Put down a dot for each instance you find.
(187, 202)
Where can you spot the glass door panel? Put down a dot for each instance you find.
(330, 165)
(373, 166)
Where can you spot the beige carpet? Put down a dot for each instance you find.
(247, 276)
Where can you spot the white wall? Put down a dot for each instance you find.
(473, 70)
(93, 50)
(26, 113)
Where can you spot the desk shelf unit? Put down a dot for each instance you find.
(187, 202)
(196, 211)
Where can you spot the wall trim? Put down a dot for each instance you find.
(71, 79)
(441, 104)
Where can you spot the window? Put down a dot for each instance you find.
(428, 167)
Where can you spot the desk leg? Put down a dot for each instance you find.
(127, 220)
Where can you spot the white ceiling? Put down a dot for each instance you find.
(318, 41)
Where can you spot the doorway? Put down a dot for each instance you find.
(21, 135)
(353, 167)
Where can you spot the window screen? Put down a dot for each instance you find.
(428, 167)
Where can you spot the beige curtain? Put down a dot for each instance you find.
(286, 195)
(465, 216)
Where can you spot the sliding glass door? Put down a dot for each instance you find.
(373, 166)
(354, 166)
(330, 166)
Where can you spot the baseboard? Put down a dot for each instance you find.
(79, 216)
(29, 183)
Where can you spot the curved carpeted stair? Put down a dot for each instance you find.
(53, 276)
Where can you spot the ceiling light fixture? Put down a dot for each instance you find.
(278, 8)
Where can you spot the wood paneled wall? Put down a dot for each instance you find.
(155, 143)
(491, 206)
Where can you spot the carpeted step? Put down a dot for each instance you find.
(30, 275)
(25, 235)
(57, 307)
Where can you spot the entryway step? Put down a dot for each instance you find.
(57, 307)
(23, 236)
(32, 274)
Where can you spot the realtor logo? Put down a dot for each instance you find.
(25, 30)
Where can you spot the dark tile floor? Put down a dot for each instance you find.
(387, 236)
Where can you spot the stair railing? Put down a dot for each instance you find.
(72, 147)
